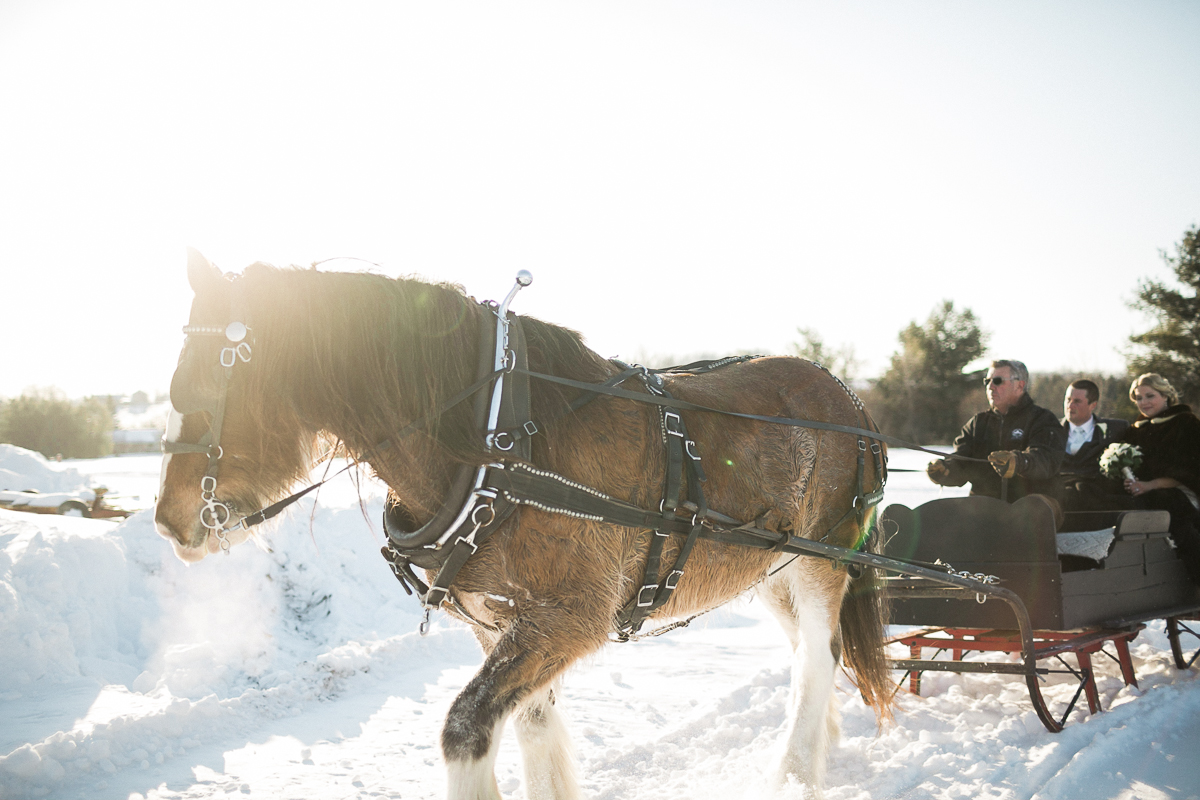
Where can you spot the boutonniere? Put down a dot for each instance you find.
(1103, 426)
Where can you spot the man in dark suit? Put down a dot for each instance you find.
(1087, 436)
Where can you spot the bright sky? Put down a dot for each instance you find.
(680, 177)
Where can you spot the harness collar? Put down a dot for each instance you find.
(451, 537)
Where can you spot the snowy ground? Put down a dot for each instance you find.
(298, 673)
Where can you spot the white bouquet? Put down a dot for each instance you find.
(1120, 459)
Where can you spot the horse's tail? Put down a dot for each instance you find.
(864, 614)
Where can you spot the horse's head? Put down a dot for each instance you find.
(231, 447)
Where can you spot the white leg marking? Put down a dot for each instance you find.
(475, 779)
(813, 724)
(546, 750)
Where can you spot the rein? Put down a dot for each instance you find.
(490, 492)
(684, 405)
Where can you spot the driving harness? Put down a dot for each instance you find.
(482, 497)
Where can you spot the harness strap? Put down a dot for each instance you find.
(700, 367)
(515, 405)
(528, 485)
(549, 491)
(673, 433)
(486, 520)
(217, 424)
(682, 462)
(634, 613)
(672, 578)
(671, 402)
(532, 428)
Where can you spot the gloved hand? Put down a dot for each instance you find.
(938, 472)
(1005, 462)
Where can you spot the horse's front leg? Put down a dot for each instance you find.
(517, 671)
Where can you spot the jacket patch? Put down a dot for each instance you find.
(1017, 433)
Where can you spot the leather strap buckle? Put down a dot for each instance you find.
(429, 596)
(668, 418)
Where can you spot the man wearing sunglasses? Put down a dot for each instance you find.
(1021, 442)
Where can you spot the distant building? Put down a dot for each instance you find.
(144, 440)
(139, 423)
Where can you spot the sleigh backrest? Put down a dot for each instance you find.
(1014, 542)
(1137, 573)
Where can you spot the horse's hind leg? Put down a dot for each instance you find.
(545, 748)
(805, 597)
(518, 669)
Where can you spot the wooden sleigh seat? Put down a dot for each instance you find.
(1018, 544)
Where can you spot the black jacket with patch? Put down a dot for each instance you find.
(1032, 431)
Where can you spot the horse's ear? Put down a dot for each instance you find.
(202, 274)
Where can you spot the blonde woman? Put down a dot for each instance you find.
(1168, 434)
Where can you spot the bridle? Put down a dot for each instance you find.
(214, 514)
(477, 510)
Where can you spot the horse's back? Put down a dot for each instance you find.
(769, 386)
(775, 386)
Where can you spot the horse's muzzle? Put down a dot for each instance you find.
(185, 550)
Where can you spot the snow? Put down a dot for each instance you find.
(24, 470)
(295, 670)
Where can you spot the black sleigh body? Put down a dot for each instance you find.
(1018, 544)
(1087, 588)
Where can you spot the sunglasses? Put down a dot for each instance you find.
(997, 380)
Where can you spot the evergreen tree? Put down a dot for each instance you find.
(1172, 346)
(921, 395)
(47, 422)
(841, 361)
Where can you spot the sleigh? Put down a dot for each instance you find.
(1048, 597)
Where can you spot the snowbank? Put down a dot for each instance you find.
(167, 657)
(295, 670)
(23, 470)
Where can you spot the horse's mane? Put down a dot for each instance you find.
(365, 355)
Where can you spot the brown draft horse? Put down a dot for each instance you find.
(357, 357)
